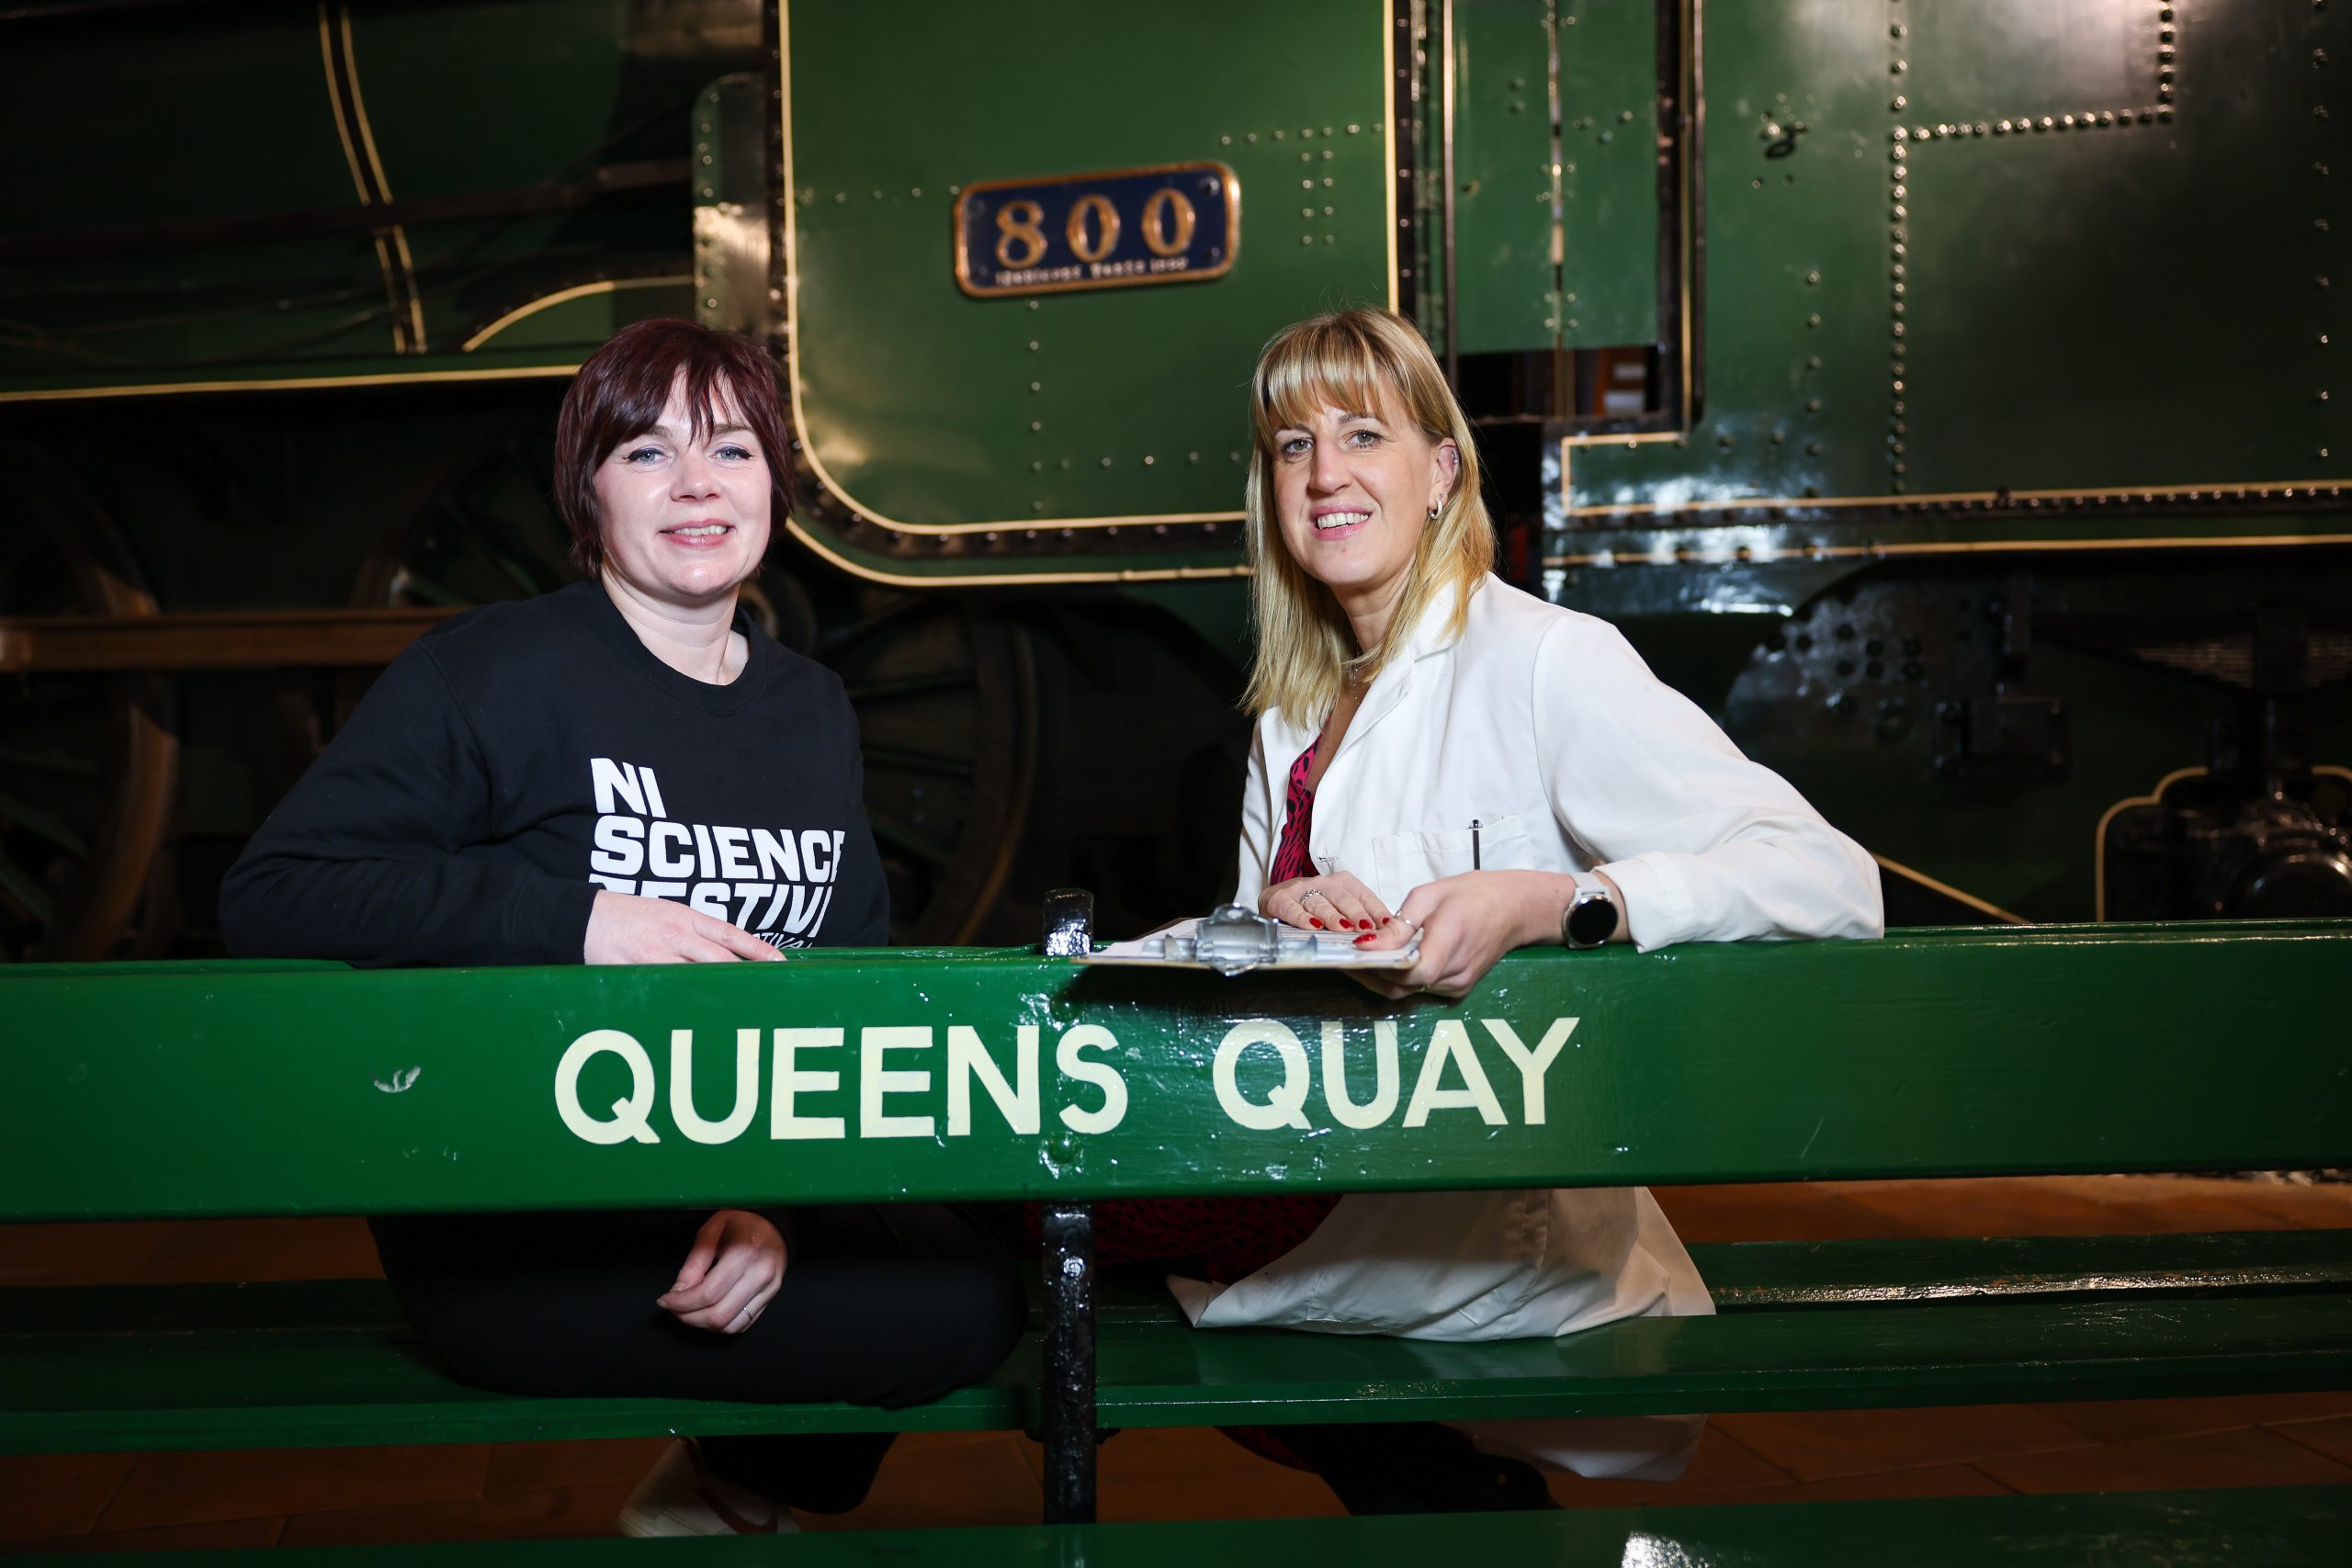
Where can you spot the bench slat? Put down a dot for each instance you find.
(268, 1307)
(2041, 1051)
(1742, 1276)
(224, 1395)
(2278, 1527)
(294, 1385)
(1852, 1359)
(1747, 1275)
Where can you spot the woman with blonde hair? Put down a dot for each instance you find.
(1439, 753)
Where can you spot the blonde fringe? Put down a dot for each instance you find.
(1306, 648)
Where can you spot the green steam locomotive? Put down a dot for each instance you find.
(1937, 391)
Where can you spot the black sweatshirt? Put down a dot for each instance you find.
(521, 755)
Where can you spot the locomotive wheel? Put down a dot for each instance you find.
(946, 704)
(943, 694)
(488, 533)
(88, 762)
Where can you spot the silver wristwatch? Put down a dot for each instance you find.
(1590, 918)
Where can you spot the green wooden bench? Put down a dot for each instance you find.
(2186, 1529)
(278, 1089)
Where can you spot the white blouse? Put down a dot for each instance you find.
(1546, 728)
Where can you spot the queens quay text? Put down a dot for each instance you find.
(881, 1082)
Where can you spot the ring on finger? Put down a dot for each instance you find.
(1312, 893)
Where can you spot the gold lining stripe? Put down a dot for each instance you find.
(995, 579)
(359, 104)
(400, 275)
(290, 383)
(561, 296)
(1638, 438)
(1729, 555)
(416, 301)
(1696, 129)
(1948, 891)
(383, 187)
(1989, 497)
(334, 98)
(2099, 834)
(866, 513)
(1388, 143)
(392, 289)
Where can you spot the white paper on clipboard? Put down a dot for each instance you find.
(1238, 941)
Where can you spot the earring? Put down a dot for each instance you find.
(1433, 512)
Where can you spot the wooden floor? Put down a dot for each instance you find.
(315, 1498)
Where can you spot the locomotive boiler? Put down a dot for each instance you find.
(1936, 391)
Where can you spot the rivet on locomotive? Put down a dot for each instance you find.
(1938, 394)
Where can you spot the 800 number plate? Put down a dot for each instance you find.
(1171, 223)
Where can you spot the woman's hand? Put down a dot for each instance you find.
(734, 1270)
(1337, 902)
(624, 929)
(1468, 921)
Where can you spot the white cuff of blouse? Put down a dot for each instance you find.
(1657, 904)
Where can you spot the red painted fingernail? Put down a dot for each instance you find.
(1316, 924)
(1362, 940)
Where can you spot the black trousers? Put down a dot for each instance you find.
(880, 1306)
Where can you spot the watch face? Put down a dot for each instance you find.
(1592, 920)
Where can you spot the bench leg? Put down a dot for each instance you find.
(1069, 1363)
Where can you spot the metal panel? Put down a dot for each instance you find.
(291, 1091)
(249, 128)
(1793, 309)
(2004, 247)
(1505, 195)
(923, 406)
(1609, 188)
(2062, 280)
(1555, 185)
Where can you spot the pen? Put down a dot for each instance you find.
(1474, 843)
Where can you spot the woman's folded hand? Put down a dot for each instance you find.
(1467, 923)
(624, 929)
(733, 1272)
(1334, 903)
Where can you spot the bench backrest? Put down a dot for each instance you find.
(136, 1090)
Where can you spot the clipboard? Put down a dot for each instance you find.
(1237, 939)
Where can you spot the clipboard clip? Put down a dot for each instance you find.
(1235, 938)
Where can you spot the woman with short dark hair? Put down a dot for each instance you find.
(628, 771)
